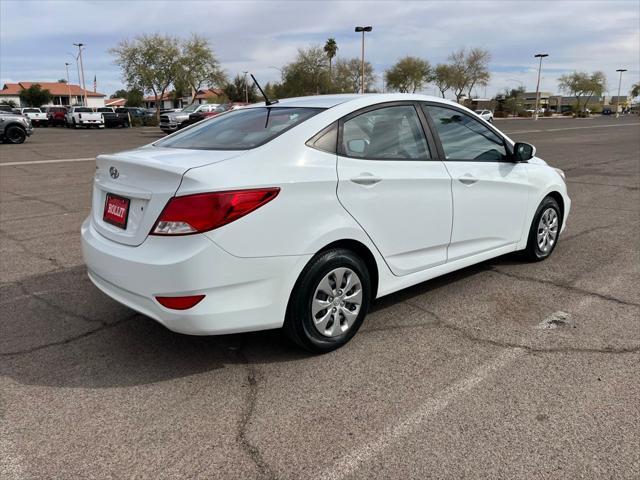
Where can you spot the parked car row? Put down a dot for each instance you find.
(79, 116)
(175, 120)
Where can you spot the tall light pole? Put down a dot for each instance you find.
(246, 92)
(84, 86)
(66, 66)
(540, 56)
(363, 29)
(619, 85)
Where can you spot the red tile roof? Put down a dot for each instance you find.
(56, 88)
(202, 94)
(115, 102)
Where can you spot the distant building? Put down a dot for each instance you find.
(62, 93)
(528, 100)
(168, 100)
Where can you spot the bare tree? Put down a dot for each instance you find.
(469, 69)
(443, 78)
(199, 66)
(583, 85)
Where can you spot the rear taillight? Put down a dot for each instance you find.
(205, 211)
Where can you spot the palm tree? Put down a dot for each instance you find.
(330, 48)
(635, 89)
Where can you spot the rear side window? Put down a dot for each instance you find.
(465, 138)
(326, 140)
(240, 129)
(121, 110)
(388, 133)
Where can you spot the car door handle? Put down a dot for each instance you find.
(366, 179)
(467, 180)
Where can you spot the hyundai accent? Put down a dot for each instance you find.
(298, 214)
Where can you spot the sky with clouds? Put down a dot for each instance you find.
(36, 37)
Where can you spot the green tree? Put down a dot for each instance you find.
(331, 49)
(35, 96)
(408, 75)
(149, 62)
(348, 76)
(10, 103)
(307, 75)
(635, 90)
(443, 77)
(235, 90)
(468, 69)
(133, 97)
(583, 85)
(199, 66)
(62, 80)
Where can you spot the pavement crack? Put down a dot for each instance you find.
(20, 243)
(249, 409)
(504, 344)
(565, 286)
(23, 196)
(66, 341)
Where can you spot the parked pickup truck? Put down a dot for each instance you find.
(77, 117)
(114, 117)
(36, 116)
(56, 115)
(14, 128)
(172, 121)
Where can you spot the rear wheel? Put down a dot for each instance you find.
(15, 134)
(544, 231)
(329, 301)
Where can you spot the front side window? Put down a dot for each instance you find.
(240, 129)
(388, 133)
(465, 138)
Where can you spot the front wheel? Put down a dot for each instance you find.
(544, 231)
(15, 134)
(329, 301)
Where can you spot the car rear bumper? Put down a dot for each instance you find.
(241, 294)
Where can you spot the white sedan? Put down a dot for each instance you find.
(299, 214)
(486, 114)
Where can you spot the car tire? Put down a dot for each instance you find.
(15, 134)
(544, 232)
(75, 125)
(347, 283)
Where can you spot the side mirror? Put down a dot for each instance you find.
(523, 152)
(357, 145)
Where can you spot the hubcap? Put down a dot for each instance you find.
(547, 230)
(336, 302)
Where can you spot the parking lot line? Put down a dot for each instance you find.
(35, 162)
(349, 463)
(570, 128)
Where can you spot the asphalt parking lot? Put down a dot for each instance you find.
(502, 370)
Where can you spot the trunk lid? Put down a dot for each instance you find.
(148, 177)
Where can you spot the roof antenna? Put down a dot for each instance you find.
(266, 99)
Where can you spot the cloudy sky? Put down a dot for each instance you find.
(37, 36)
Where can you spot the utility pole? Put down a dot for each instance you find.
(66, 66)
(246, 90)
(84, 86)
(363, 29)
(618, 97)
(541, 56)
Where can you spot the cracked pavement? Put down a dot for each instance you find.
(450, 379)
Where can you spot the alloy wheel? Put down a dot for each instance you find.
(336, 302)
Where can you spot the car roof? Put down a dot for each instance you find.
(329, 101)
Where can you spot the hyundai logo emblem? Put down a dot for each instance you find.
(113, 171)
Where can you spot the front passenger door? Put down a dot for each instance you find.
(390, 183)
(490, 191)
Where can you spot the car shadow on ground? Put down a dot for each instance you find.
(58, 330)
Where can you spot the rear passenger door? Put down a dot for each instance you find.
(490, 191)
(390, 182)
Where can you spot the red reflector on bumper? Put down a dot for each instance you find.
(180, 303)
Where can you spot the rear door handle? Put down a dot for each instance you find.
(467, 180)
(366, 179)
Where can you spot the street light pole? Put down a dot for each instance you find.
(363, 29)
(84, 86)
(619, 85)
(246, 92)
(66, 66)
(541, 56)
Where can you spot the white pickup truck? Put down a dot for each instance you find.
(77, 117)
(37, 116)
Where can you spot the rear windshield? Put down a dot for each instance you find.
(31, 110)
(104, 109)
(240, 129)
(121, 110)
(83, 110)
